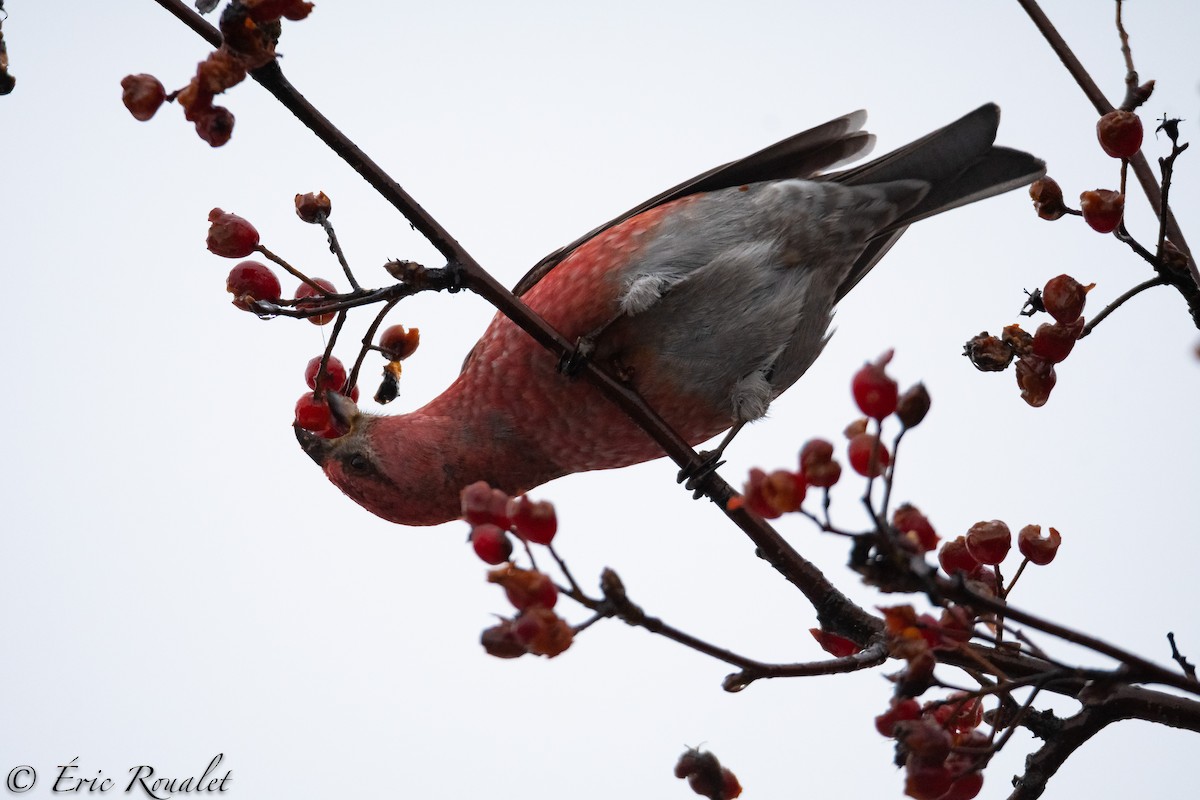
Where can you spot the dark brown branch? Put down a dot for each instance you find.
(1102, 707)
(616, 603)
(1137, 669)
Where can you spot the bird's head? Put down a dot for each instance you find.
(391, 466)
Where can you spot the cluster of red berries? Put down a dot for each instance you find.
(938, 743)
(250, 31)
(313, 412)
(1064, 298)
(252, 282)
(986, 544)
(773, 494)
(1120, 135)
(492, 515)
(706, 776)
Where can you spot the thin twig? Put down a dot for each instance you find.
(312, 284)
(336, 248)
(1188, 668)
(1157, 280)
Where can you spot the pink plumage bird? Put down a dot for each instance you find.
(710, 300)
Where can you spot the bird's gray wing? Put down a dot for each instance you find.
(803, 155)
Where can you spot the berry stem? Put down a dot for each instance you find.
(1008, 589)
(333, 335)
(891, 469)
(321, 290)
(575, 592)
(369, 338)
(336, 248)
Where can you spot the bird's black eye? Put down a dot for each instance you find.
(358, 464)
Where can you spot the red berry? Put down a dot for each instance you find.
(772, 495)
(312, 413)
(912, 523)
(1038, 549)
(954, 557)
(1047, 198)
(491, 543)
(989, 542)
(1035, 379)
(899, 711)
(1102, 209)
(924, 739)
(956, 624)
(481, 504)
(309, 206)
(398, 342)
(229, 235)
(335, 375)
(250, 281)
(1064, 297)
(959, 714)
(525, 588)
(142, 95)
(868, 456)
(965, 787)
(499, 641)
(817, 465)
(1054, 342)
(874, 392)
(913, 405)
(304, 292)
(533, 521)
(925, 781)
(1120, 133)
(542, 631)
(214, 125)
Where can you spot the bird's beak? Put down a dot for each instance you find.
(344, 413)
(316, 445)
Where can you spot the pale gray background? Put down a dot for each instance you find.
(179, 580)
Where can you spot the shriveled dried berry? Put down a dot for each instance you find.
(1038, 549)
(1047, 198)
(1035, 378)
(311, 207)
(1120, 133)
(142, 95)
(987, 353)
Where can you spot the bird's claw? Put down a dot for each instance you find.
(571, 363)
(697, 476)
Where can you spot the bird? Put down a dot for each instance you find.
(709, 300)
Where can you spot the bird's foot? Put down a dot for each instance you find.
(571, 363)
(694, 477)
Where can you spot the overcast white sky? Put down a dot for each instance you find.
(180, 580)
